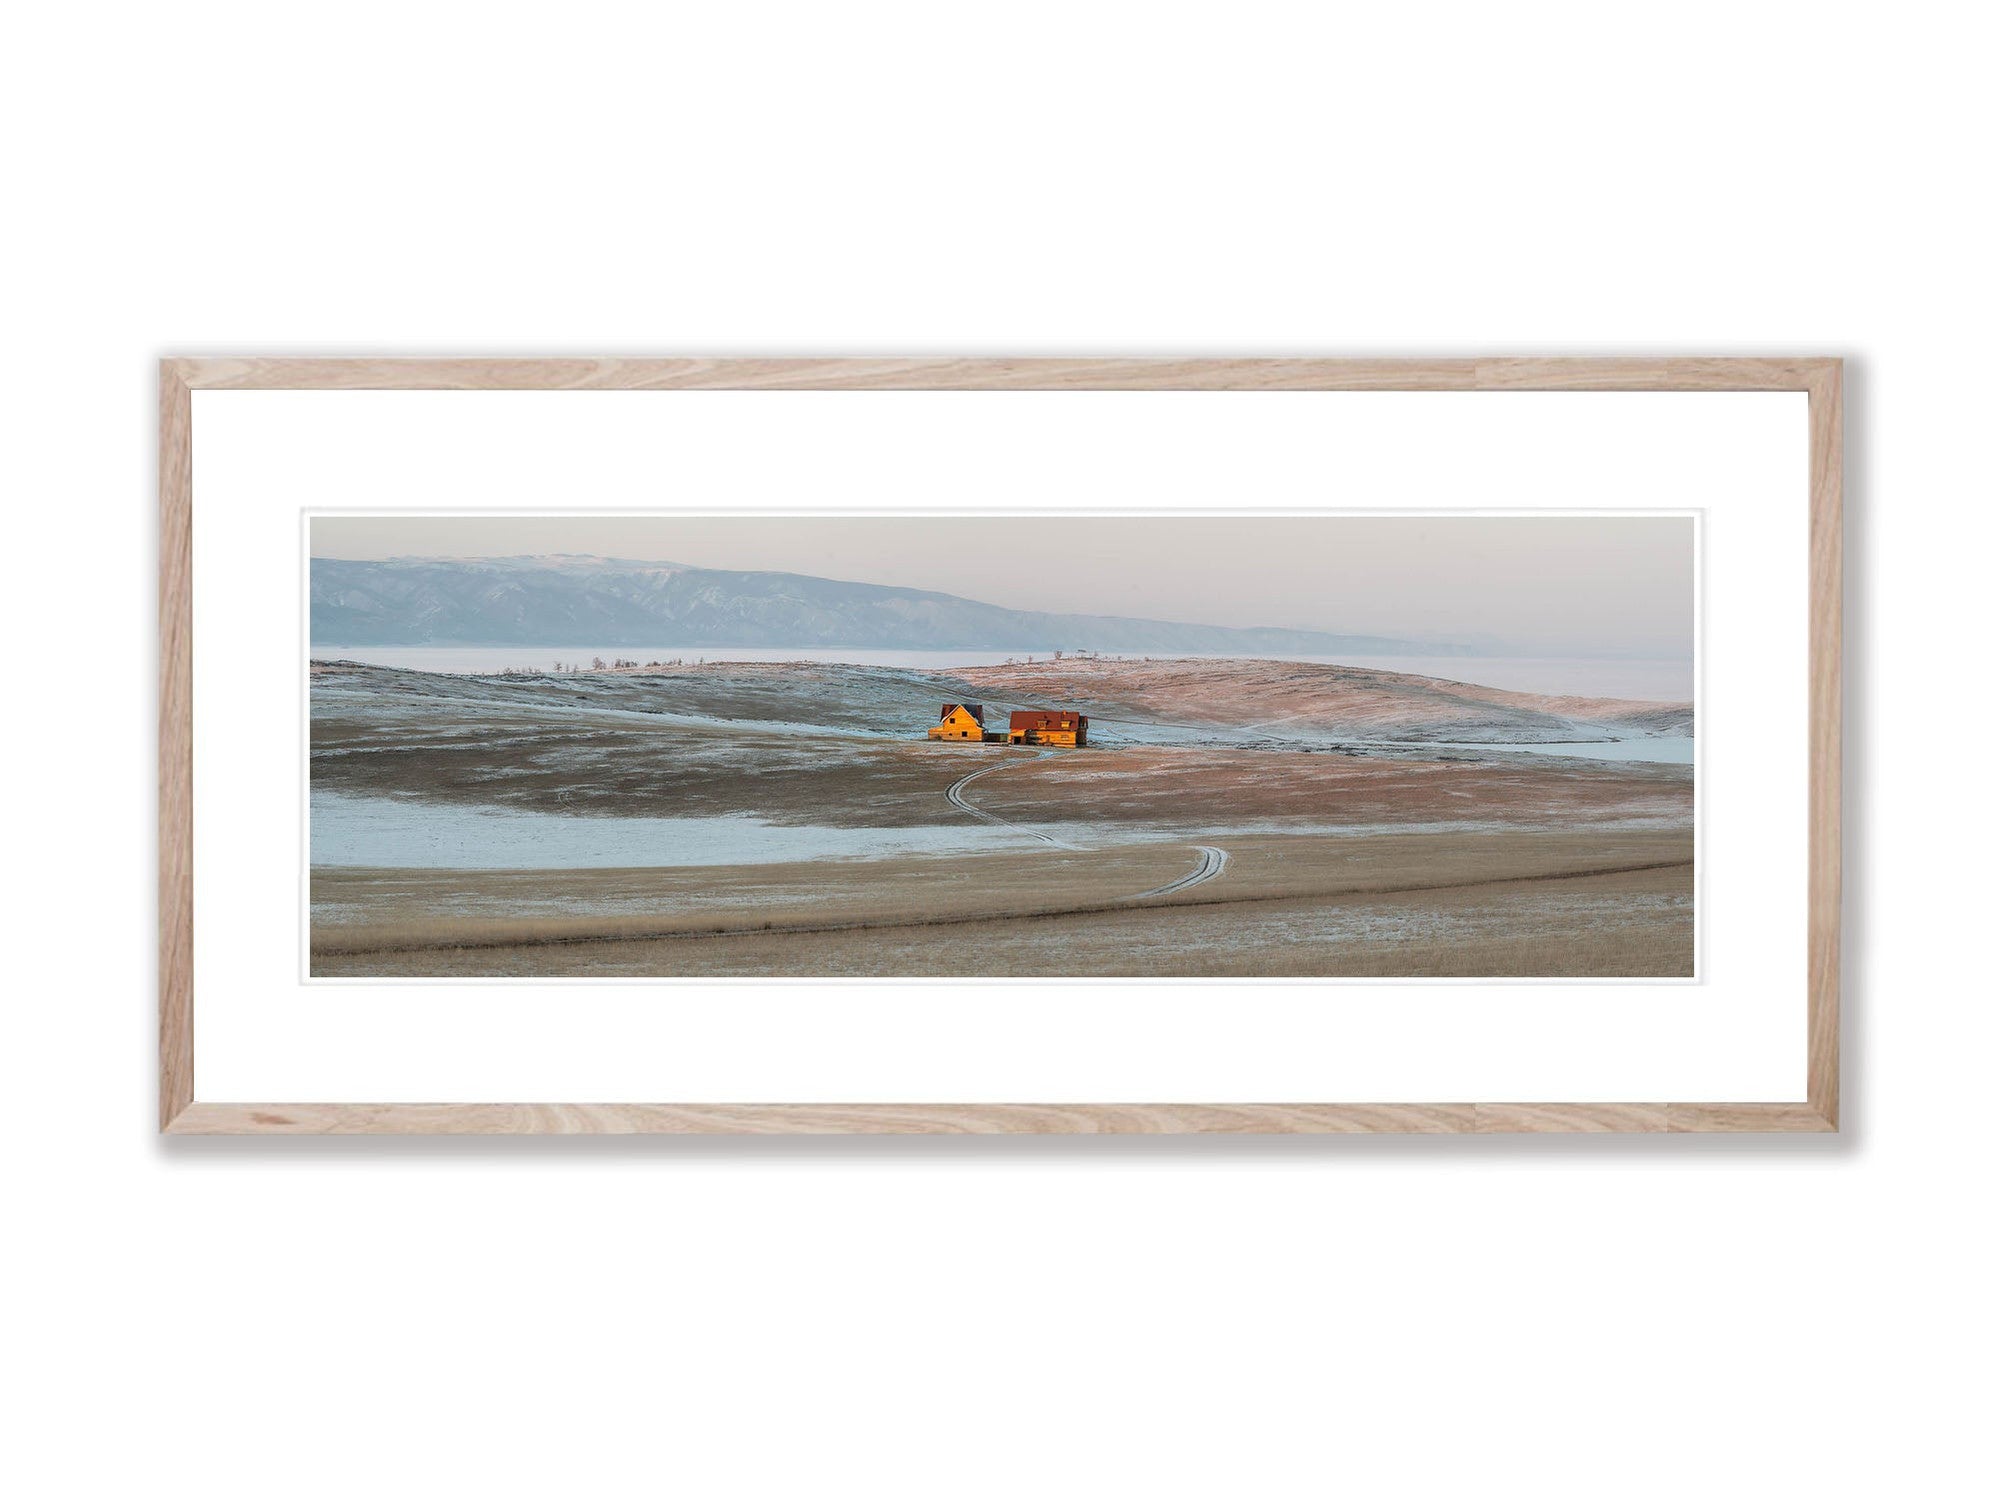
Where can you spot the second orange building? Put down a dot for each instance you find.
(1047, 726)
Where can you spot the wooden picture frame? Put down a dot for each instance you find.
(181, 1114)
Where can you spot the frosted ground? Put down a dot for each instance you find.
(1271, 782)
(1643, 678)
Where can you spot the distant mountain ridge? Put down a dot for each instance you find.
(566, 600)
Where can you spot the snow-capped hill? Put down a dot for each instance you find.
(605, 602)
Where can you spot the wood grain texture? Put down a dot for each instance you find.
(1748, 1118)
(992, 1118)
(1001, 374)
(1652, 374)
(830, 374)
(1823, 891)
(1571, 1118)
(176, 786)
(824, 1119)
(1820, 378)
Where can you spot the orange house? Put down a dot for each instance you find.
(1047, 726)
(961, 721)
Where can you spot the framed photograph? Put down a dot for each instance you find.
(998, 745)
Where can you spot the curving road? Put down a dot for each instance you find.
(1213, 862)
(956, 793)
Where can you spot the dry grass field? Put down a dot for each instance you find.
(1313, 856)
(1507, 903)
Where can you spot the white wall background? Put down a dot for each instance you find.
(992, 1317)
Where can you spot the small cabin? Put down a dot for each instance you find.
(961, 721)
(1047, 726)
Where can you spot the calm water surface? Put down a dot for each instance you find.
(388, 833)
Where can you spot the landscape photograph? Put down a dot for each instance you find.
(1015, 747)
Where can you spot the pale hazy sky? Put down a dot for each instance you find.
(1541, 585)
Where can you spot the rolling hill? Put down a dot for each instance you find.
(608, 602)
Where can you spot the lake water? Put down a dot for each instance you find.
(1668, 681)
(1664, 750)
(379, 832)
(385, 833)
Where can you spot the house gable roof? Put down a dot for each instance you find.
(1046, 718)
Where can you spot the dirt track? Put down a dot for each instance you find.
(955, 794)
(1213, 861)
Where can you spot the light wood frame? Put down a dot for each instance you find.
(181, 1114)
